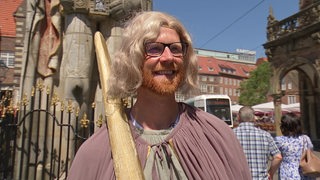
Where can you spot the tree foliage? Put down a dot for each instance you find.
(255, 89)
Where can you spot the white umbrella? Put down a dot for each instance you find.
(266, 107)
(295, 107)
(236, 107)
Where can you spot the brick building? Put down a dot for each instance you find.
(10, 22)
(222, 72)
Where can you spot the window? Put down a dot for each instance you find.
(210, 89)
(203, 87)
(210, 68)
(283, 84)
(7, 58)
(211, 78)
(292, 99)
(290, 85)
(203, 78)
(238, 92)
(226, 90)
(179, 97)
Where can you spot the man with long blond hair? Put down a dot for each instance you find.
(173, 140)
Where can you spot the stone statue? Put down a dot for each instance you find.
(43, 43)
(78, 69)
(304, 3)
(59, 49)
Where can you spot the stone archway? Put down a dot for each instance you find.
(308, 82)
(293, 44)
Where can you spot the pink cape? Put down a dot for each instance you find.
(206, 147)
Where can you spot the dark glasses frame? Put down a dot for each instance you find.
(184, 47)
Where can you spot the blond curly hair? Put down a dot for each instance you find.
(127, 64)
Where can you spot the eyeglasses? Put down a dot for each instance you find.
(156, 49)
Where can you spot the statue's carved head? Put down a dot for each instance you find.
(122, 9)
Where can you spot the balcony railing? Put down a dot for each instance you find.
(303, 19)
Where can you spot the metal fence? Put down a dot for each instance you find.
(40, 137)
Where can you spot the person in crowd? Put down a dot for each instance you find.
(173, 140)
(258, 146)
(292, 143)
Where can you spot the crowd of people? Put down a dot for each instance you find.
(265, 154)
(175, 140)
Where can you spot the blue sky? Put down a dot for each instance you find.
(227, 25)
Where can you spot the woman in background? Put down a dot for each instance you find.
(291, 145)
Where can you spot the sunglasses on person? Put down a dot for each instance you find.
(155, 49)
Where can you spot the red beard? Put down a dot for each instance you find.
(163, 84)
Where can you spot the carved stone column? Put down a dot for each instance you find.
(277, 112)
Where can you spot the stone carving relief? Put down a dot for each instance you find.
(317, 64)
(316, 37)
(120, 9)
(100, 5)
(304, 3)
